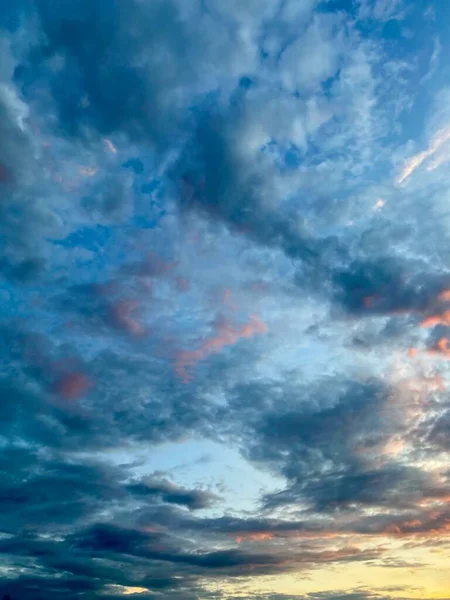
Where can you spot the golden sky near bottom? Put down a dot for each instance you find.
(429, 581)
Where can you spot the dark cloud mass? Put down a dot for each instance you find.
(225, 300)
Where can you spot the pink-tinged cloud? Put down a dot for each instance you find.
(72, 386)
(412, 352)
(438, 319)
(436, 524)
(444, 296)
(122, 314)
(225, 335)
(441, 348)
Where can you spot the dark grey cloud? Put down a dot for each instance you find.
(389, 287)
(23, 216)
(97, 91)
(170, 493)
(97, 67)
(332, 445)
(408, 520)
(127, 77)
(299, 437)
(222, 184)
(32, 484)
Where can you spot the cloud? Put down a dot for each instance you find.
(434, 61)
(168, 492)
(72, 385)
(440, 138)
(226, 335)
(381, 10)
(221, 194)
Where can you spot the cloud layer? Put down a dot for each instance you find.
(225, 299)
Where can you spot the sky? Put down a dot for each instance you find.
(224, 299)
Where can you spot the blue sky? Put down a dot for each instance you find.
(225, 299)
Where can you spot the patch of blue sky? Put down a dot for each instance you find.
(194, 462)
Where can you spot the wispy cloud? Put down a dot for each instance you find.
(442, 137)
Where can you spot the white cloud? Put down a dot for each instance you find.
(312, 58)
